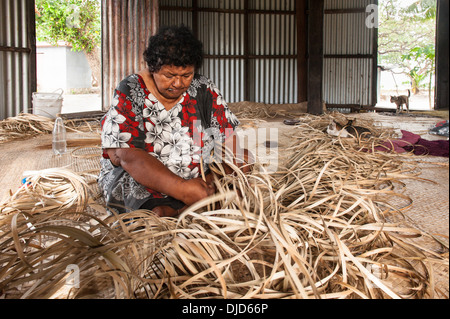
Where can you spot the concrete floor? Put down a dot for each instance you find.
(74, 103)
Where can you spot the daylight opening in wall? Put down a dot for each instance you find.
(406, 52)
(68, 47)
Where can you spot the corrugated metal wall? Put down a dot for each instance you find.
(273, 33)
(223, 36)
(126, 27)
(250, 46)
(181, 13)
(350, 54)
(17, 56)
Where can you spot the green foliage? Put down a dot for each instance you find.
(423, 59)
(422, 10)
(73, 21)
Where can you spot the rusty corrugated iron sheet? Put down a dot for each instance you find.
(126, 28)
(17, 57)
(250, 46)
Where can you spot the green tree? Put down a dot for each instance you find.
(74, 21)
(407, 38)
(424, 60)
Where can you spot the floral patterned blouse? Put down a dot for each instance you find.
(178, 137)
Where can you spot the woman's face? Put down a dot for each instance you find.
(172, 81)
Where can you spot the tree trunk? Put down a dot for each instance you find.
(414, 86)
(95, 63)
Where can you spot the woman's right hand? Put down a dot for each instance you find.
(196, 189)
(151, 173)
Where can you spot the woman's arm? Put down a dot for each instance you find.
(150, 172)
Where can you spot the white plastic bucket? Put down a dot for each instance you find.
(48, 104)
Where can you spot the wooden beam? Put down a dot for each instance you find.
(302, 50)
(250, 56)
(31, 39)
(235, 11)
(375, 63)
(315, 56)
(342, 11)
(348, 56)
(246, 53)
(15, 49)
(195, 18)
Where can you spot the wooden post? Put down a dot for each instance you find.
(31, 39)
(315, 56)
(246, 54)
(375, 64)
(441, 99)
(195, 25)
(302, 50)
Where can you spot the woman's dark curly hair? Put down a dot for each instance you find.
(173, 45)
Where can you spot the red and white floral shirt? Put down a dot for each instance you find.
(178, 137)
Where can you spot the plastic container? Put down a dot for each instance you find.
(59, 143)
(48, 104)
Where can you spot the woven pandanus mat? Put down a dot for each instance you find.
(294, 227)
(16, 157)
(429, 212)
